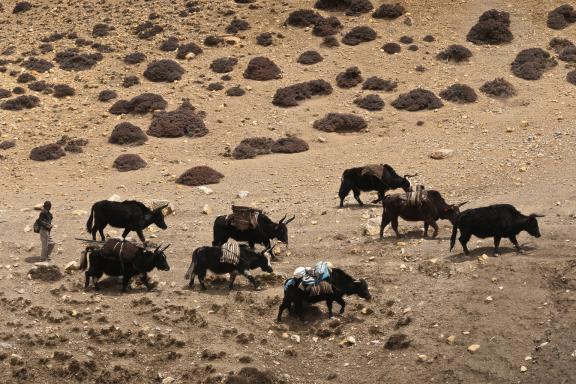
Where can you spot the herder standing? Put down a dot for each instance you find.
(43, 226)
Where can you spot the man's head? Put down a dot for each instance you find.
(47, 205)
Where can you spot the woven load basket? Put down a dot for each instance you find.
(244, 218)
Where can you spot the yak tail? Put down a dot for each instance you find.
(84, 260)
(454, 233)
(89, 223)
(192, 265)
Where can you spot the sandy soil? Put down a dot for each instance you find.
(519, 151)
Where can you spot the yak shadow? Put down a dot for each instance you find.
(415, 234)
(219, 287)
(357, 207)
(112, 286)
(312, 313)
(33, 259)
(489, 250)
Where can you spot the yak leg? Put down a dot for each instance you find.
(426, 225)
(268, 245)
(496, 245)
(232, 279)
(99, 230)
(395, 226)
(249, 276)
(95, 282)
(192, 277)
(380, 197)
(385, 221)
(515, 242)
(126, 282)
(435, 226)
(464, 238)
(342, 303)
(299, 309)
(356, 192)
(345, 189)
(141, 236)
(125, 233)
(144, 280)
(87, 281)
(285, 305)
(201, 276)
(329, 306)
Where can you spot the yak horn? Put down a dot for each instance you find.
(282, 220)
(290, 219)
(414, 175)
(162, 207)
(538, 215)
(166, 247)
(461, 204)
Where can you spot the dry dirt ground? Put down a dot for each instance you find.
(519, 308)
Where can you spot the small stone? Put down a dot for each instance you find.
(71, 266)
(321, 139)
(243, 194)
(524, 123)
(488, 299)
(451, 339)
(79, 212)
(483, 259)
(523, 369)
(168, 380)
(441, 154)
(114, 197)
(509, 129)
(473, 348)
(422, 358)
(206, 209)
(295, 338)
(206, 190)
(348, 341)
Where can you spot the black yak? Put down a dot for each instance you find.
(430, 208)
(127, 260)
(374, 177)
(263, 233)
(130, 215)
(497, 221)
(342, 284)
(210, 258)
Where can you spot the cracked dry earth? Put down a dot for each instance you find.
(429, 304)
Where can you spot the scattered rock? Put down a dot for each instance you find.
(441, 154)
(397, 341)
(473, 348)
(71, 266)
(348, 341)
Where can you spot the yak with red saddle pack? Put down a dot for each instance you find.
(322, 283)
(418, 205)
(122, 258)
(250, 225)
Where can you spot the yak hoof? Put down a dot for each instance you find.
(258, 288)
(496, 254)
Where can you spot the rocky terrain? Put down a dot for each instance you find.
(254, 102)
